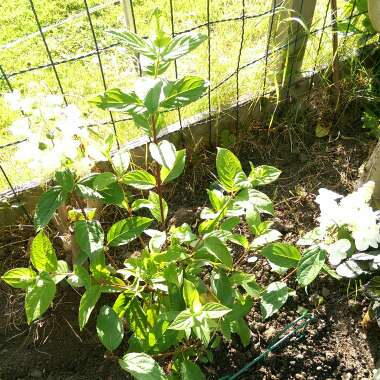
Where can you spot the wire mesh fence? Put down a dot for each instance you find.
(74, 56)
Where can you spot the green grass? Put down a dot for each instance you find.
(81, 80)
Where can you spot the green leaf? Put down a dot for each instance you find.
(248, 198)
(136, 43)
(183, 321)
(103, 187)
(61, 272)
(153, 204)
(139, 179)
(215, 310)
(152, 97)
(227, 166)
(242, 329)
(181, 45)
(137, 320)
(79, 278)
(120, 162)
(248, 282)
(42, 254)
(87, 303)
(65, 179)
(87, 192)
(156, 210)
(230, 223)
(19, 278)
(126, 230)
(102, 181)
(39, 297)
(109, 328)
(222, 288)
(167, 175)
(310, 265)
(183, 91)
(263, 175)
(117, 100)
(266, 238)
(190, 371)
(89, 236)
(215, 247)
(163, 153)
(275, 296)
(190, 295)
(47, 205)
(282, 254)
(372, 288)
(142, 367)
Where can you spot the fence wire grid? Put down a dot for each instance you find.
(248, 19)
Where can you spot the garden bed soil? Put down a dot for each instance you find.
(337, 344)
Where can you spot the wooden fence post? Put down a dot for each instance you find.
(127, 14)
(291, 24)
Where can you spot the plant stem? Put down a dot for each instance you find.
(157, 173)
(80, 206)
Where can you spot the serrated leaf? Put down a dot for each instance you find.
(310, 265)
(190, 371)
(19, 278)
(65, 179)
(126, 230)
(142, 367)
(87, 192)
(282, 254)
(227, 166)
(183, 321)
(248, 282)
(39, 297)
(47, 205)
(61, 272)
(263, 175)
(182, 45)
(275, 296)
(42, 254)
(87, 303)
(109, 328)
(136, 43)
(182, 92)
(215, 310)
(139, 179)
(117, 100)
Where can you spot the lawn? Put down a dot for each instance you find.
(21, 47)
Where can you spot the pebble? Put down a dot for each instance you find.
(270, 333)
(292, 362)
(346, 376)
(319, 368)
(299, 376)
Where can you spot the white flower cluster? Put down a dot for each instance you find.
(55, 134)
(351, 214)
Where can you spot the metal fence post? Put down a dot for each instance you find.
(291, 25)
